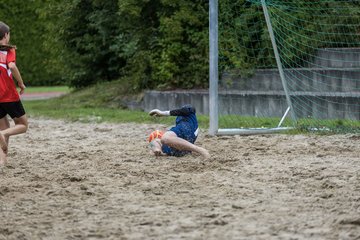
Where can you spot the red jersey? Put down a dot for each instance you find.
(8, 92)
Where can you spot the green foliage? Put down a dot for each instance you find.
(150, 43)
(243, 37)
(300, 27)
(182, 61)
(159, 44)
(28, 33)
(89, 34)
(48, 89)
(169, 43)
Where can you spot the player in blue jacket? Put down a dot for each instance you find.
(180, 139)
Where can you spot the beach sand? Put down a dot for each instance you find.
(67, 180)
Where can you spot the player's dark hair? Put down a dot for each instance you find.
(3, 30)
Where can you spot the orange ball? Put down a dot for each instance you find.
(155, 134)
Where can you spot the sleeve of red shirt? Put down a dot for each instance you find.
(11, 56)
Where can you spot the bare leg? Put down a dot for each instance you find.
(172, 140)
(3, 158)
(4, 124)
(3, 144)
(21, 126)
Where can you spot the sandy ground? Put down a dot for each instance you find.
(97, 181)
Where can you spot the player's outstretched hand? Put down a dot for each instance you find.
(158, 113)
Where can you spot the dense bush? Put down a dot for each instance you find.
(167, 42)
(148, 43)
(28, 33)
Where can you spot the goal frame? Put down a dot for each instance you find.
(214, 78)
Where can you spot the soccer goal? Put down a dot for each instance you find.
(282, 64)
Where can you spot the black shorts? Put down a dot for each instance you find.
(14, 109)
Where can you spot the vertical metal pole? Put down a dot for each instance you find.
(277, 57)
(213, 68)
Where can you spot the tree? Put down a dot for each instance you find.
(168, 43)
(89, 35)
(28, 33)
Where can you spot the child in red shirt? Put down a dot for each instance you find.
(10, 103)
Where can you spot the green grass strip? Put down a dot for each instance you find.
(63, 89)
